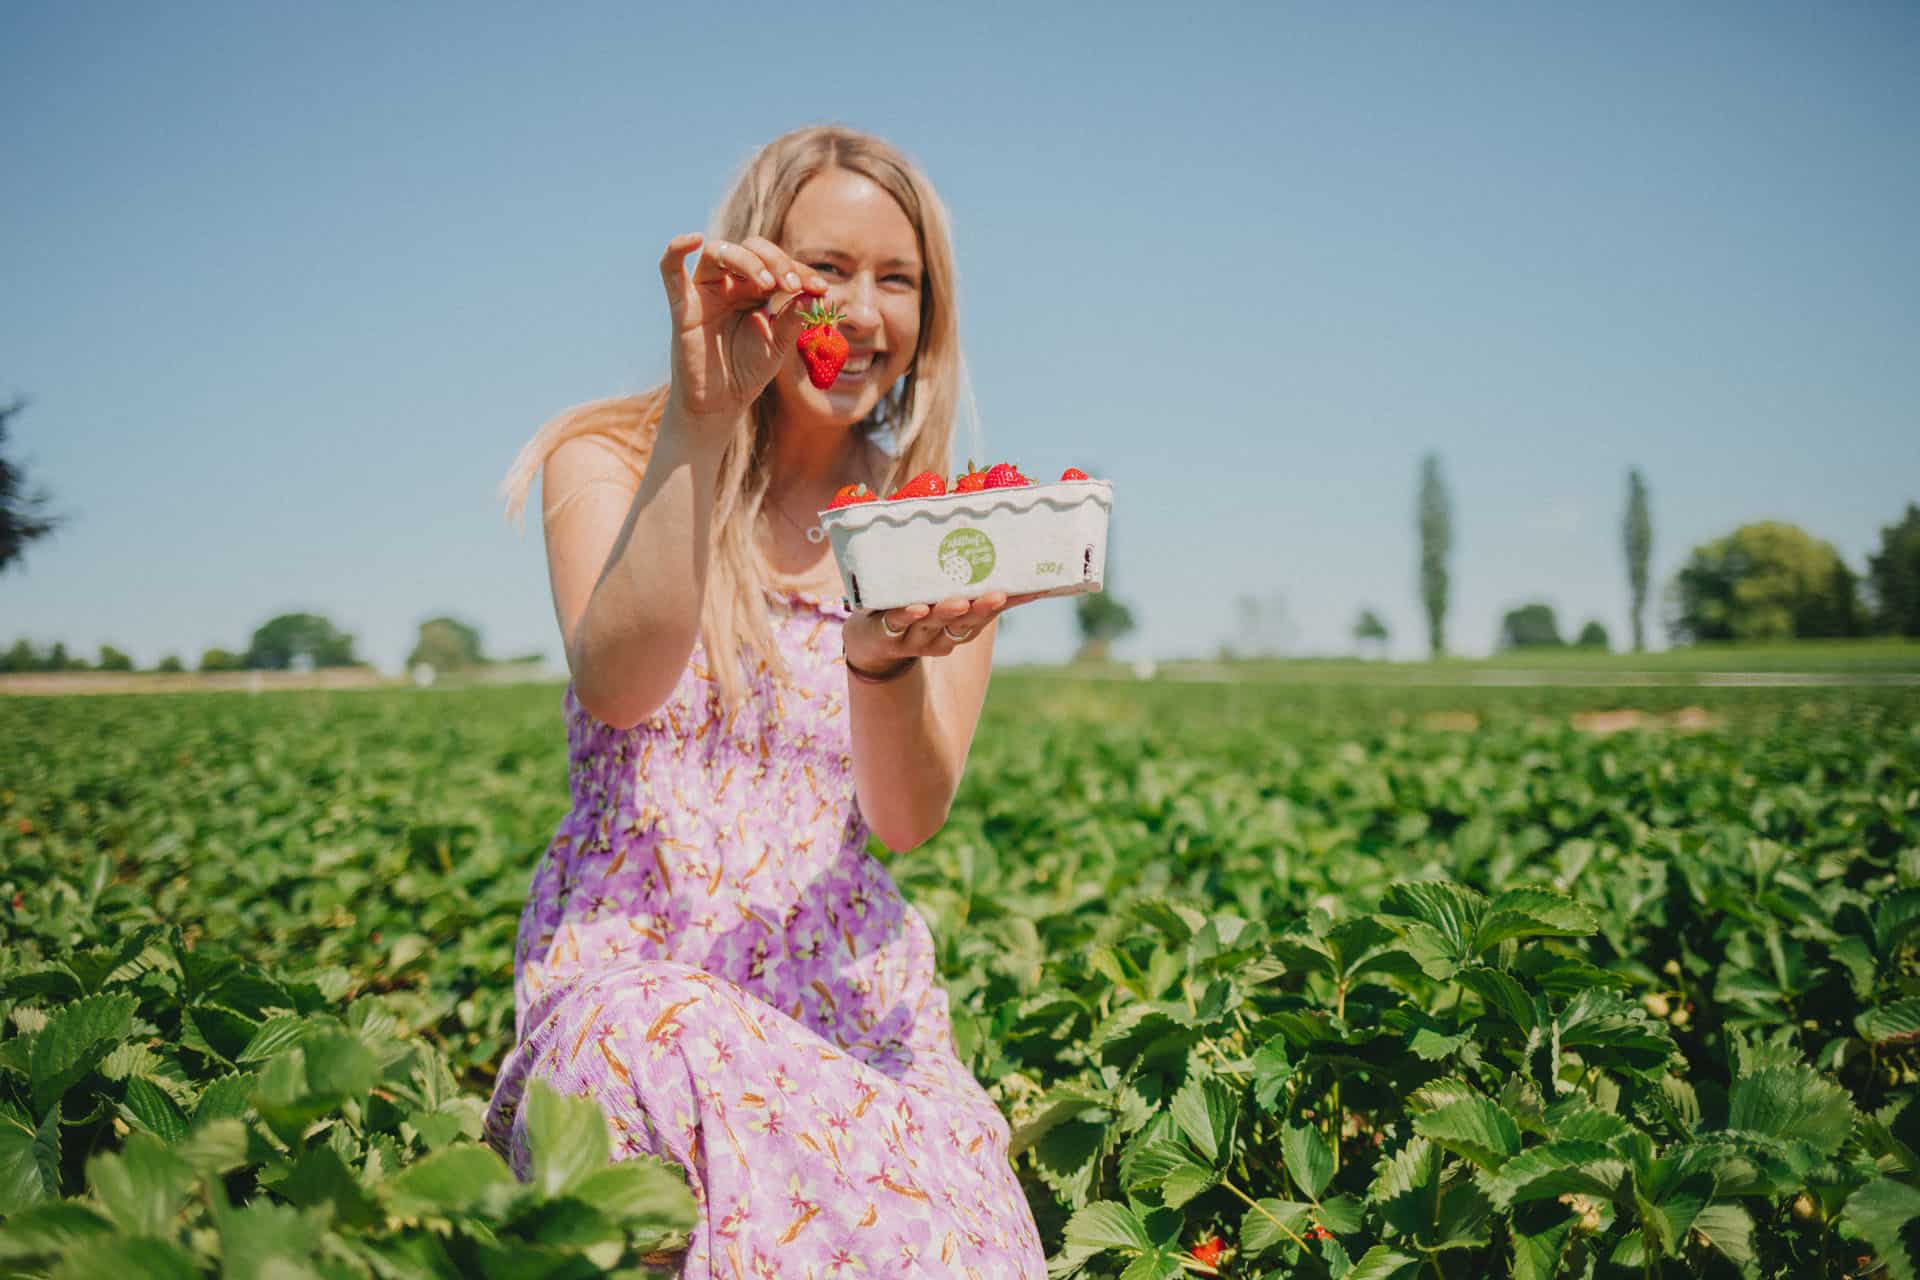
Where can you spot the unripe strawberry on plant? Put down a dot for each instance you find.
(928, 484)
(822, 347)
(850, 494)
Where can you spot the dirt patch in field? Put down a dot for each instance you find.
(54, 684)
(1685, 720)
(1450, 721)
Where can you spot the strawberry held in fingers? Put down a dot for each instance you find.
(928, 484)
(822, 346)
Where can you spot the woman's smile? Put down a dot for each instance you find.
(859, 364)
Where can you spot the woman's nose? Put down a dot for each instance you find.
(860, 303)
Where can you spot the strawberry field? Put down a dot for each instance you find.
(1283, 981)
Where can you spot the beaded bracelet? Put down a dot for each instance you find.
(882, 677)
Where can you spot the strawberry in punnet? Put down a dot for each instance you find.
(822, 346)
(928, 484)
(1005, 475)
(1208, 1251)
(850, 494)
(973, 480)
(1074, 473)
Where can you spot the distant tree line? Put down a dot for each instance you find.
(1764, 581)
(288, 642)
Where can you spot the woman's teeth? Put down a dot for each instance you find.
(857, 365)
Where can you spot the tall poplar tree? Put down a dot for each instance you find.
(1436, 543)
(1638, 531)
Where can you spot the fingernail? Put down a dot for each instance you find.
(793, 280)
(816, 283)
(766, 278)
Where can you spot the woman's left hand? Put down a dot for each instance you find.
(878, 639)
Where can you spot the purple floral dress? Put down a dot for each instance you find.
(709, 951)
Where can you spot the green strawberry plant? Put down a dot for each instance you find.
(1290, 981)
(167, 1110)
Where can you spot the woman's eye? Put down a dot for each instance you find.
(824, 268)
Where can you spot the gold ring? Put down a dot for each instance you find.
(965, 635)
(888, 628)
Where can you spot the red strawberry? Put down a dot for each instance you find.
(928, 484)
(1208, 1250)
(973, 480)
(1074, 473)
(823, 347)
(850, 494)
(1005, 475)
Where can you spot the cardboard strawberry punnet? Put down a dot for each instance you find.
(992, 530)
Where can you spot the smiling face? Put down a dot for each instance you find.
(846, 227)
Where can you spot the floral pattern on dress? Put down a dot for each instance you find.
(709, 951)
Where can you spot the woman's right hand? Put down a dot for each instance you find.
(726, 346)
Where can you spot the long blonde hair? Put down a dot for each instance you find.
(919, 412)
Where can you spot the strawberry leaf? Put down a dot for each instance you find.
(1792, 1104)
(567, 1137)
(1308, 1157)
(1207, 1113)
(143, 1186)
(75, 1038)
(1887, 1214)
(29, 1163)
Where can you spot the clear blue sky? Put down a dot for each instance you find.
(289, 285)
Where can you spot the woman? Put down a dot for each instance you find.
(707, 947)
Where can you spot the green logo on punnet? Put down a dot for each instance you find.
(966, 556)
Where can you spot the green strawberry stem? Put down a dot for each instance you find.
(819, 312)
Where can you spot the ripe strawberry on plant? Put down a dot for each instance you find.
(928, 484)
(1208, 1250)
(850, 494)
(1074, 473)
(1005, 475)
(822, 346)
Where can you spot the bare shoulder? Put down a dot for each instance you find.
(587, 463)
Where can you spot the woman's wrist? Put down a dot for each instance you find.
(884, 676)
(705, 433)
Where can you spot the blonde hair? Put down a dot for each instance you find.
(919, 412)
